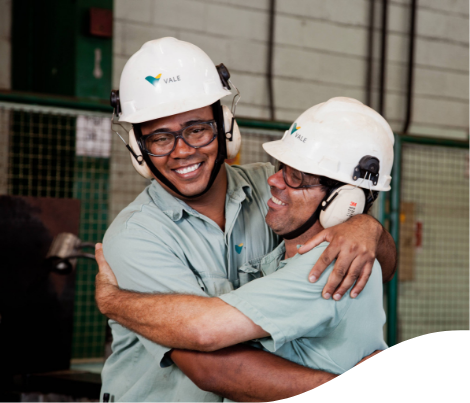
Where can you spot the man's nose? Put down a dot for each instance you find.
(182, 150)
(277, 180)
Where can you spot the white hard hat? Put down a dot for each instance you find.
(166, 77)
(332, 138)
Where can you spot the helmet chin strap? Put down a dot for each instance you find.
(221, 154)
(331, 185)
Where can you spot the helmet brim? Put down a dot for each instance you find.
(172, 108)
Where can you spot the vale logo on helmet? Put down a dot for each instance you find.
(298, 136)
(154, 80)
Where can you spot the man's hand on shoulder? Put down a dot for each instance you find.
(106, 285)
(355, 244)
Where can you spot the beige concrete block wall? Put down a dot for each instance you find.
(320, 52)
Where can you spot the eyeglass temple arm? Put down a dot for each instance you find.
(138, 158)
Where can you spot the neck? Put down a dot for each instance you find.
(212, 203)
(291, 244)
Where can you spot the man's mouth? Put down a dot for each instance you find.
(278, 202)
(188, 169)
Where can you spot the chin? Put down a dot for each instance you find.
(192, 189)
(275, 226)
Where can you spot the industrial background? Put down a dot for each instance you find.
(408, 59)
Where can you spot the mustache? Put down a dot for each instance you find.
(279, 194)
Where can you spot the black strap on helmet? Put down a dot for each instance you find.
(221, 153)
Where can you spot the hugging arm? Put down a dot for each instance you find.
(240, 372)
(246, 374)
(206, 324)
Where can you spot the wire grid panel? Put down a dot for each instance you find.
(434, 294)
(126, 184)
(43, 162)
(252, 141)
(4, 149)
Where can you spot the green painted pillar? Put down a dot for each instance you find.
(392, 286)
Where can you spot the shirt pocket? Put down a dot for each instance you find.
(249, 272)
(214, 285)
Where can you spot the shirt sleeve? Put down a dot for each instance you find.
(286, 305)
(142, 262)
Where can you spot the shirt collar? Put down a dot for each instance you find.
(238, 189)
(277, 254)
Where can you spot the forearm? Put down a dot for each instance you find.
(180, 321)
(387, 255)
(247, 374)
(157, 317)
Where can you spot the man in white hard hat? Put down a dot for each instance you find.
(333, 160)
(200, 220)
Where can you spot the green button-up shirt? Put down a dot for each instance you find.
(160, 244)
(305, 328)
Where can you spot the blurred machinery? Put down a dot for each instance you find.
(64, 251)
(38, 253)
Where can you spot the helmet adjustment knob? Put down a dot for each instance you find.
(224, 75)
(115, 101)
(368, 168)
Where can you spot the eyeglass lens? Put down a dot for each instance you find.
(296, 179)
(197, 135)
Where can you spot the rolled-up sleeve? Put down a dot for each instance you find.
(286, 305)
(142, 262)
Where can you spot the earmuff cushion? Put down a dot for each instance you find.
(233, 145)
(350, 201)
(142, 168)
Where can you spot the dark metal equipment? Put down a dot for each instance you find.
(64, 251)
(36, 302)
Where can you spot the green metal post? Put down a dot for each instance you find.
(392, 294)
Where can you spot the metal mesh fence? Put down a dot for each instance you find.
(252, 150)
(434, 275)
(50, 154)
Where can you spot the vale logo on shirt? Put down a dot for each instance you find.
(239, 248)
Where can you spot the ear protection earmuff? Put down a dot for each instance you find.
(343, 203)
(138, 162)
(122, 129)
(232, 133)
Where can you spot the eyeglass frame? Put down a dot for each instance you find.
(281, 166)
(179, 135)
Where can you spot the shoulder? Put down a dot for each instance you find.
(142, 218)
(308, 260)
(256, 175)
(258, 171)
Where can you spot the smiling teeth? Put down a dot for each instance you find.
(186, 170)
(277, 201)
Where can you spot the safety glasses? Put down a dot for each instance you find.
(296, 179)
(197, 135)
